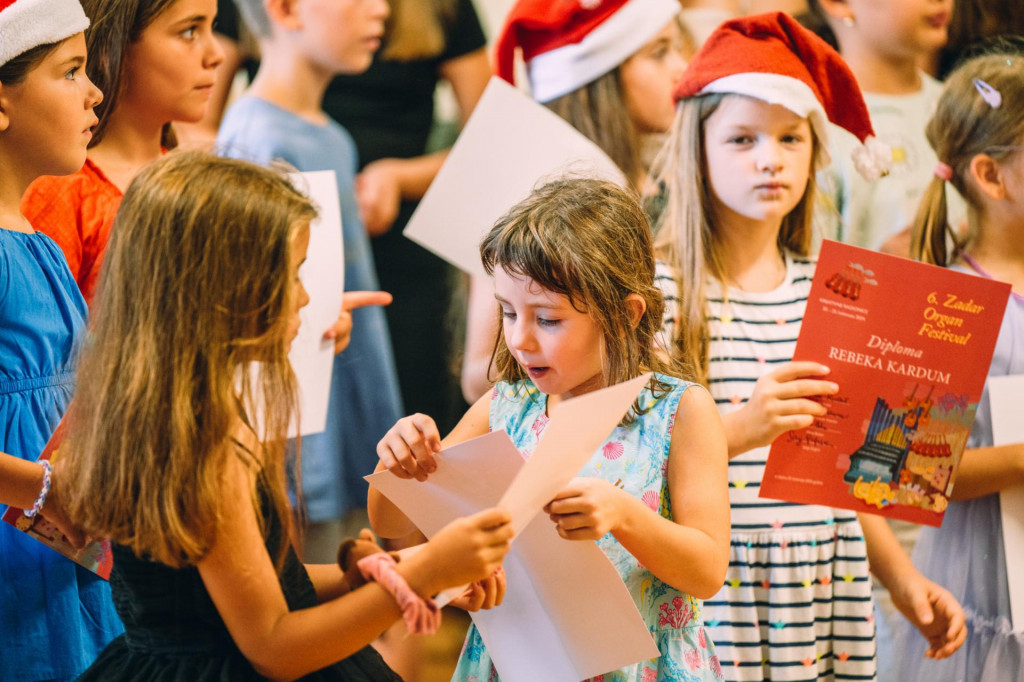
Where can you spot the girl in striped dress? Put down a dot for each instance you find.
(736, 233)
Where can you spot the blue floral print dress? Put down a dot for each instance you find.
(635, 458)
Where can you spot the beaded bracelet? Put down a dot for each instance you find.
(41, 500)
(422, 616)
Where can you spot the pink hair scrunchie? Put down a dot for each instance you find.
(422, 616)
(943, 171)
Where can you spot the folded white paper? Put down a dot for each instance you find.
(1006, 394)
(509, 146)
(566, 616)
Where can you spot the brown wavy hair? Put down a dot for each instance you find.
(588, 240)
(963, 126)
(686, 236)
(196, 290)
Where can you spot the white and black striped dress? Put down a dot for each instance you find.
(796, 603)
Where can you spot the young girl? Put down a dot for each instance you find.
(54, 615)
(749, 133)
(978, 133)
(609, 70)
(191, 492)
(156, 61)
(574, 277)
(885, 45)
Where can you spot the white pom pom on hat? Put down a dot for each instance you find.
(25, 24)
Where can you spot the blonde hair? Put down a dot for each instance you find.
(197, 285)
(598, 111)
(686, 236)
(416, 29)
(588, 240)
(963, 126)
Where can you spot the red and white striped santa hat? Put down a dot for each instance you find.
(569, 43)
(25, 24)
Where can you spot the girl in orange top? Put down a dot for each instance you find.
(172, 53)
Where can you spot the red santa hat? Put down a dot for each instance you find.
(773, 58)
(25, 24)
(569, 43)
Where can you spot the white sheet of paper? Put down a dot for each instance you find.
(323, 275)
(508, 146)
(1006, 394)
(549, 627)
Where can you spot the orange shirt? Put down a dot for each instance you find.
(76, 211)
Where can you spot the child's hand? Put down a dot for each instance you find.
(53, 510)
(469, 549)
(379, 196)
(586, 509)
(933, 611)
(407, 450)
(781, 402)
(341, 330)
(483, 594)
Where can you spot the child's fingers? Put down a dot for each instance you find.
(351, 300)
(496, 520)
(796, 370)
(500, 583)
(421, 438)
(800, 406)
(801, 388)
(401, 463)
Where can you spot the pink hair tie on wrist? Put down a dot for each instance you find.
(422, 616)
(944, 172)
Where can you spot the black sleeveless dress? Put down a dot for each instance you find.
(173, 631)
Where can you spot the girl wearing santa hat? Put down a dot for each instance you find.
(749, 135)
(608, 67)
(54, 615)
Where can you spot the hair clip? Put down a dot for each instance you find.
(944, 172)
(988, 93)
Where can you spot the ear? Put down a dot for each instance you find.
(636, 306)
(5, 120)
(283, 13)
(985, 173)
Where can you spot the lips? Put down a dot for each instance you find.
(940, 20)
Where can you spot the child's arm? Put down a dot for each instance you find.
(283, 644)
(928, 606)
(689, 552)
(984, 471)
(481, 326)
(21, 482)
(781, 402)
(408, 449)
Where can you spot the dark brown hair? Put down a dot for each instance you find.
(17, 69)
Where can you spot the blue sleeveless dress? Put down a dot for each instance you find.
(55, 616)
(635, 457)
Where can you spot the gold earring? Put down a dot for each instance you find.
(849, 22)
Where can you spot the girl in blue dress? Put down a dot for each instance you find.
(573, 275)
(54, 615)
(978, 134)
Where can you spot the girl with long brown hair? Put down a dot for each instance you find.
(156, 63)
(177, 446)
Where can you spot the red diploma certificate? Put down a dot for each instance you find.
(909, 345)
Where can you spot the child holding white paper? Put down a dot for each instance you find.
(55, 616)
(749, 134)
(189, 479)
(574, 276)
(608, 69)
(978, 134)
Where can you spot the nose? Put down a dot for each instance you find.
(303, 296)
(519, 335)
(213, 55)
(769, 158)
(93, 95)
(677, 64)
(381, 9)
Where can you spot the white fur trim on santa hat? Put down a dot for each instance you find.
(25, 24)
(785, 91)
(560, 71)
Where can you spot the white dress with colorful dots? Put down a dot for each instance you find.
(634, 457)
(796, 603)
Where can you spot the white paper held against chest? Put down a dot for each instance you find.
(323, 275)
(1006, 395)
(507, 146)
(550, 627)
